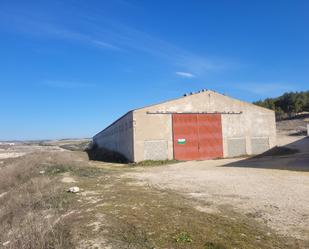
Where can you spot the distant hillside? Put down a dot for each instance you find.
(287, 105)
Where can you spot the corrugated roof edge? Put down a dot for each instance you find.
(112, 124)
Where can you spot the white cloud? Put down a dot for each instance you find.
(185, 74)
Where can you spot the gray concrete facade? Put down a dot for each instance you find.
(118, 137)
(146, 133)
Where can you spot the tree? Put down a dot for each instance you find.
(288, 104)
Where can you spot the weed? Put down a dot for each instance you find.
(154, 162)
(183, 237)
(212, 245)
(87, 171)
(75, 170)
(57, 169)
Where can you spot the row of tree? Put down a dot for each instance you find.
(287, 105)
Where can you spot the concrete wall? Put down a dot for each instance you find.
(118, 137)
(152, 130)
(254, 126)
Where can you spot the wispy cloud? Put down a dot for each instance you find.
(103, 44)
(265, 89)
(27, 23)
(185, 74)
(66, 84)
(105, 33)
(133, 39)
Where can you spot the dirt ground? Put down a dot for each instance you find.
(272, 189)
(276, 197)
(218, 204)
(20, 149)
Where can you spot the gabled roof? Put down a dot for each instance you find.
(182, 97)
(197, 93)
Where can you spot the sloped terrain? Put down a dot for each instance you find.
(293, 127)
(259, 202)
(120, 206)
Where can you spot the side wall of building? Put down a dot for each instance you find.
(152, 136)
(118, 137)
(246, 128)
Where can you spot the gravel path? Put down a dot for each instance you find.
(279, 198)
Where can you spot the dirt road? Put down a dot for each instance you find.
(279, 198)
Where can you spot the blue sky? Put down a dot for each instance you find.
(69, 68)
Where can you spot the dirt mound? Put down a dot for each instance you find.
(293, 127)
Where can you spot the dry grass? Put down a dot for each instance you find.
(15, 174)
(30, 207)
(77, 146)
(145, 217)
(154, 163)
(112, 211)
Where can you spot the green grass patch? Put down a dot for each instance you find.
(58, 201)
(57, 169)
(183, 237)
(74, 170)
(154, 163)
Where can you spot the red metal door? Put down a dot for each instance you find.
(210, 136)
(185, 138)
(197, 136)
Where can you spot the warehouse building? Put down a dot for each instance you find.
(198, 126)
